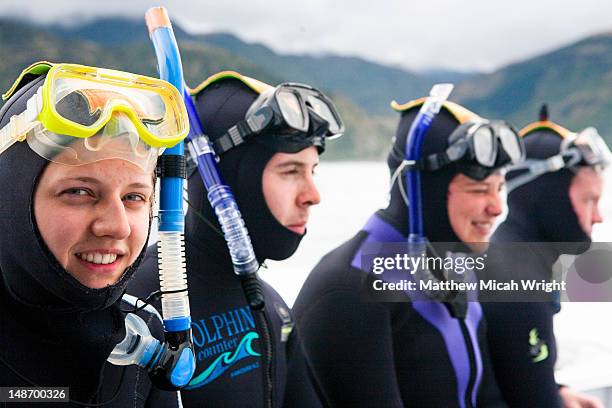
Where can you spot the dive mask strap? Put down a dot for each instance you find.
(20, 124)
(235, 136)
(243, 130)
(536, 168)
(436, 161)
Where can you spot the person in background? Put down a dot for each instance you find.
(430, 352)
(553, 206)
(250, 357)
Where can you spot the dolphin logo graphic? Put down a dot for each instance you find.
(225, 361)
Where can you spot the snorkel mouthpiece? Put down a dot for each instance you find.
(173, 365)
(170, 364)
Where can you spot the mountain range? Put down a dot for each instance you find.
(575, 81)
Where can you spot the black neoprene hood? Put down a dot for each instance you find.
(29, 270)
(220, 106)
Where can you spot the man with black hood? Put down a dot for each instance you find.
(74, 221)
(427, 353)
(552, 208)
(242, 354)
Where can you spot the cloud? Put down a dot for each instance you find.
(464, 35)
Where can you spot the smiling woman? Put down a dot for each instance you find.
(473, 207)
(94, 218)
(84, 142)
(424, 323)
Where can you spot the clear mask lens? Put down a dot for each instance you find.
(484, 146)
(292, 111)
(89, 104)
(322, 109)
(593, 148)
(118, 139)
(511, 143)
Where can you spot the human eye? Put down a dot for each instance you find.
(135, 197)
(479, 190)
(291, 171)
(77, 192)
(76, 195)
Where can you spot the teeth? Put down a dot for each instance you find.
(483, 225)
(98, 258)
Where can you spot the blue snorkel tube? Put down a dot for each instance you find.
(222, 200)
(219, 194)
(177, 365)
(170, 364)
(414, 142)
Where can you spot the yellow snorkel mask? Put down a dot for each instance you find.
(84, 114)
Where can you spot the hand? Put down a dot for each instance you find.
(574, 399)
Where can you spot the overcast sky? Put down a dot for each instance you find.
(452, 34)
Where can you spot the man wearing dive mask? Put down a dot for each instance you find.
(426, 353)
(268, 140)
(77, 159)
(553, 205)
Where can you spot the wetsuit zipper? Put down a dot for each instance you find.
(472, 357)
(267, 357)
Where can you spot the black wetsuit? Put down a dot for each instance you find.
(521, 336)
(47, 349)
(396, 354)
(243, 357)
(230, 339)
(54, 331)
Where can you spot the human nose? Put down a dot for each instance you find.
(111, 220)
(596, 217)
(495, 204)
(309, 194)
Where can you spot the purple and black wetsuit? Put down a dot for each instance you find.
(396, 354)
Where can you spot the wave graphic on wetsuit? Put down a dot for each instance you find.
(226, 361)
